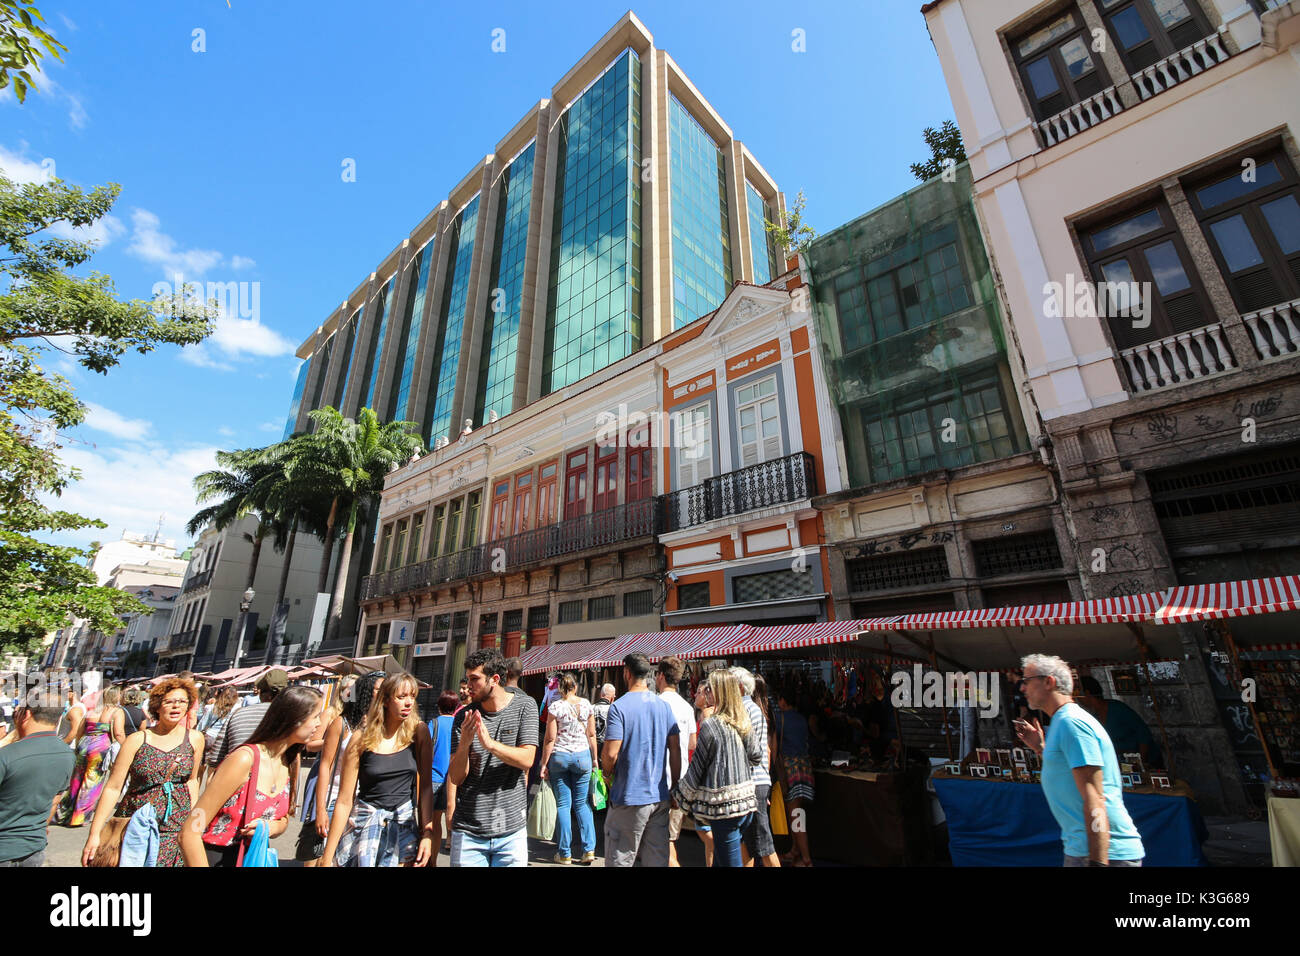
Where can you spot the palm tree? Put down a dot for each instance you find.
(351, 458)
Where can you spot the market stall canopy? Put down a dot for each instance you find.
(997, 648)
(339, 664)
(689, 642)
(1133, 607)
(300, 672)
(1202, 602)
(538, 660)
(764, 640)
(245, 675)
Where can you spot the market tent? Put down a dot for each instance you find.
(340, 664)
(686, 643)
(763, 640)
(538, 660)
(299, 672)
(1133, 607)
(992, 647)
(1202, 602)
(246, 675)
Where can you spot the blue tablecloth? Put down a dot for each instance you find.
(1009, 824)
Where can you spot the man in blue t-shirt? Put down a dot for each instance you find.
(1080, 771)
(33, 770)
(640, 746)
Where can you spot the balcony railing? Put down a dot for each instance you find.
(1183, 65)
(1178, 359)
(635, 519)
(202, 579)
(791, 478)
(1075, 119)
(181, 641)
(1274, 330)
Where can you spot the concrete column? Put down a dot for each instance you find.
(656, 203)
(337, 357)
(417, 410)
(537, 264)
(390, 349)
(478, 298)
(356, 378)
(546, 192)
(742, 260)
(1128, 94)
(315, 369)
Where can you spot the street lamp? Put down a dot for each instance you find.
(244, 605)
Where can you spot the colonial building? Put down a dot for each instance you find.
(1135, 165)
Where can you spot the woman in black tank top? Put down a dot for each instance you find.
(384, 813)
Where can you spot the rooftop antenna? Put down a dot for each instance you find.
(157, 535)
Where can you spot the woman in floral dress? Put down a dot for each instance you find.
(161, 765)
(98, 732)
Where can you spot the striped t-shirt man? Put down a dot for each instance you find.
(493, 800)
(759, 772)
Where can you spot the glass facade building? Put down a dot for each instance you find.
(349, 356)
(593, 314)
(496, 380)
(762, 248)
(371, 374)
(408, 334)
(701, 236)
(296, 403)
(913, 341)
(446, 355)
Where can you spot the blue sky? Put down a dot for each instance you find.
(230, 162)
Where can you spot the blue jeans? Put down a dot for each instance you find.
(571, 778)
(727, 839)
(508, 850)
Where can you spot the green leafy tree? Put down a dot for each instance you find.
(945, 144)
(796, 235)
(351, 458)
(45, 307)
(21, 41)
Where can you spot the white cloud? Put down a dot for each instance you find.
(106, 420)
(151, 244)
(48, 87)
(271, 427)
(226, 432)
(241, 262)
(201, 357)
(236, 337)
(101, 233)
(68, 23)
(130, 486)
(20, 169)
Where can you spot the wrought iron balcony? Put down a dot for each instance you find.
(202, 579)
(787, 479)
(181, 641)
(609, 526)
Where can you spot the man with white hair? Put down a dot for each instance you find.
(1080, 771)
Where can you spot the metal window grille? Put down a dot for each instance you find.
(771, 586)
(487, 624)
(600, 609)
(636, 603)
(1017, 554)
(539, 617)
(423, 630)
(892, 571)
(514, 621)
(693, 595)
(570, 611)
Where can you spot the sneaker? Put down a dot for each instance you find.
(588, 859)
(562, 860)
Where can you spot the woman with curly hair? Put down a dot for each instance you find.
(388, 766)
(157, 766)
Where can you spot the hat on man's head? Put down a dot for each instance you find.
(273, 680)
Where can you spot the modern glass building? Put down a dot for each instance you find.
(588, 233)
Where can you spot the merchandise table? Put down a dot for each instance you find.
(864, 818)
(992, 823)
(1284, 830)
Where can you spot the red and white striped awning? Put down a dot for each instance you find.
(1117, 610)
(538, 660)
(689, 642)
(762, 640)
(1202, 602)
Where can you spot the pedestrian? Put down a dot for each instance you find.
(384, 812)
(494, 743)
(440, 729)
(252, 784)
(758, 843)
(514, 671)
(97, 733)
(796, 775)
(74, 713)
(132, 716)
(241, 724)
(601, 708)
(1080, 775)
(34, 769)
(206, 714)
(227, 702)
(157, 766)
(463, 696)
(568, 756)
(641, 762)
(318, 809)
(668, 675)
(718, 786)
(704, 708)
(1127, 731)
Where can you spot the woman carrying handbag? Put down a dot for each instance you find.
(252, 784)
(157, 767)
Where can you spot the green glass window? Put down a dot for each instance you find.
(762, 248)
(408, 335)
(296, 403)
(701, 234)
(593, 314)
(349, 356)
(446, 361)
(376, 345)
(496, 384)
(322, 357)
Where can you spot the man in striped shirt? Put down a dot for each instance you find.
(242, 722)
(758, 835)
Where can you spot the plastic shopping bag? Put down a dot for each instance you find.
(259, 852)
(599, 792)
(541, 815)
(776, 812)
